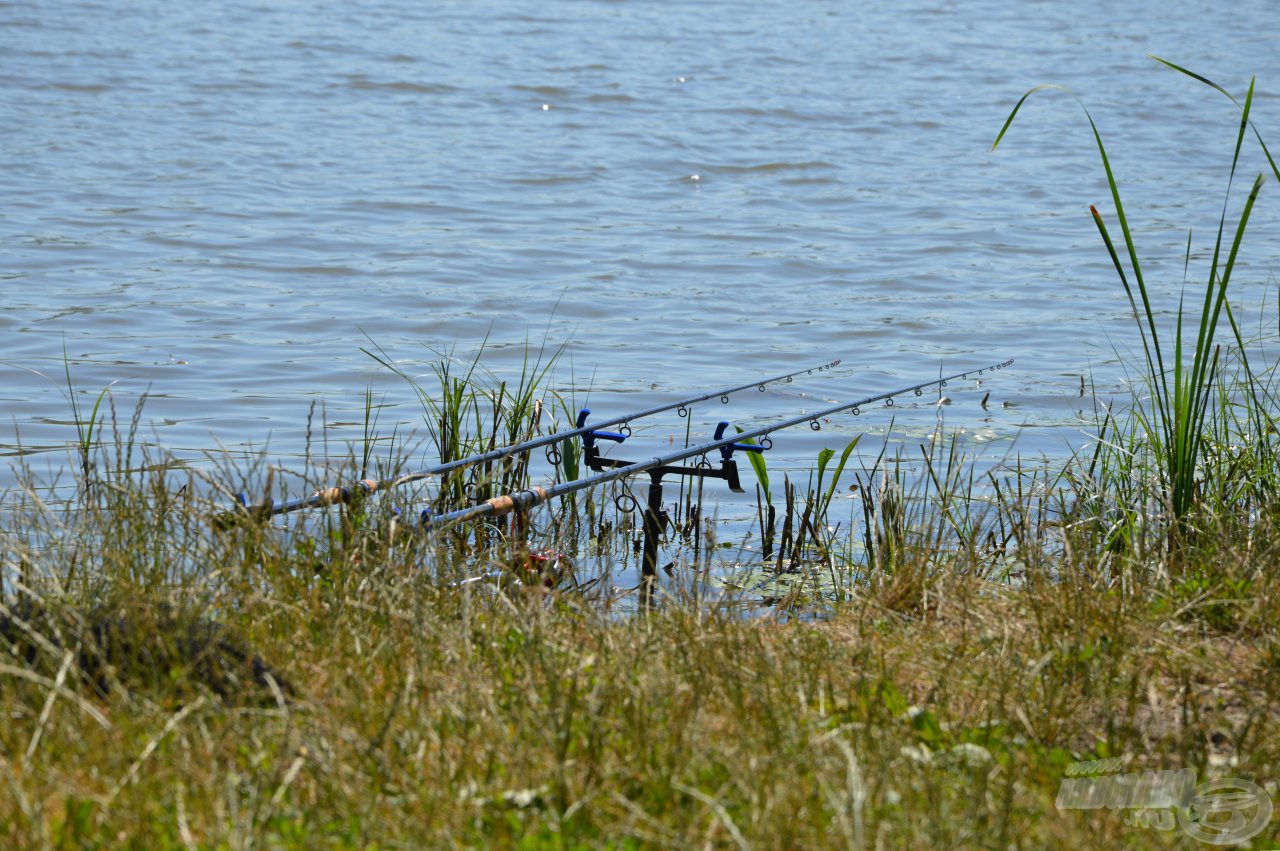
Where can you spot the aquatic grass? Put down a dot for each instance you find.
(1180, 415)
(86, 428)
(467, 415)
(1275, 170)
(766, 511)
(824, 497)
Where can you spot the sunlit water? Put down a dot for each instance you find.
(220, 205)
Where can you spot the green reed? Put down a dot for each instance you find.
(470, 411)
(1186, 406)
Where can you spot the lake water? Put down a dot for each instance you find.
(222, 203)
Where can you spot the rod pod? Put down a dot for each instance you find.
(662, 464)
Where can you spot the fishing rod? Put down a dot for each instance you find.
(365, 487)
(661, 465)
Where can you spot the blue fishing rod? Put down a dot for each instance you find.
(662, 465)
(365, 487)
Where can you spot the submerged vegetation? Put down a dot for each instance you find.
(925, 672)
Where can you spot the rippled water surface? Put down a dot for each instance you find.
(222, 203)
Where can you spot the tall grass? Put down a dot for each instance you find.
(1187, 400)
(940, 703)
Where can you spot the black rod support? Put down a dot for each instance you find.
(653, 527)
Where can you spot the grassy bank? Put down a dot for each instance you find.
(937, 673)
(939, 706)
(425, 717)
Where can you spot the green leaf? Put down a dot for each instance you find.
(757, 464)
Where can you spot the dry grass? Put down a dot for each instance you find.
(935, 707)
